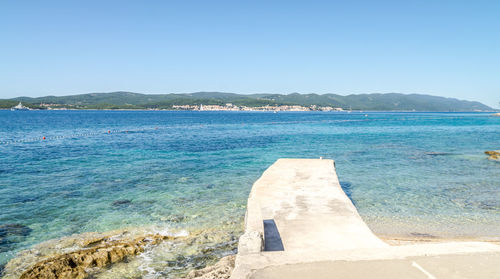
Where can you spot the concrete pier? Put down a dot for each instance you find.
(300, 224)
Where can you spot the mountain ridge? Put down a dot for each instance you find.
(368, 101)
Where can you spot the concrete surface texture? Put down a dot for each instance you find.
(481, 265)
(321, 235)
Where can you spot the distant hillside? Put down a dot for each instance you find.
(377, 101)
(388, 101)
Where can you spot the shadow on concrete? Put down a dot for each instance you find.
(272, 237)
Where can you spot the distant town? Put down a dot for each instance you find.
(231, 107)
(226, 107)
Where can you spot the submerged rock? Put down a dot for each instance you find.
(437, 153)
(176, 258)
(176, 218)
(422, 235)
(14, 229)
(121, 203)
(494, 154)
(10, 234)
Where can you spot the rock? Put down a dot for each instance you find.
(176, 218)
(10, 234)
(221, 270)
(494, 154)
(437, 153)
(103, 253)
(422, 235)
(183, 252)
(14, 229)
(93, 241)
(121, 202)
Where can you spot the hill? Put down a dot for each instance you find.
(130, 100)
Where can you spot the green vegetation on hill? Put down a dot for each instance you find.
(129, 100)
(5, 104)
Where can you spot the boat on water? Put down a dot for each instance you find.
(19, 107)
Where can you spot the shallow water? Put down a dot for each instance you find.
(407, 173)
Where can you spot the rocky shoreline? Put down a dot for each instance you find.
(221, 270)
(89, 254)
(99, 253)
(128, 253)
(79, 255)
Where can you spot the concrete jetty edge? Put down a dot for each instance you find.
(321, 232)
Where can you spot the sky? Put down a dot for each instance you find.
(443, 48)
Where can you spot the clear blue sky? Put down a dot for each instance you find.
(446, 48)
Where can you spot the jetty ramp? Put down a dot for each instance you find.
(300, 224)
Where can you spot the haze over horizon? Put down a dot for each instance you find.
(449, 49)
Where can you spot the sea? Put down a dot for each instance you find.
(189, 173)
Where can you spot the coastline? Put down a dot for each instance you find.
(493, 112)
(220, 266)
(126, 251)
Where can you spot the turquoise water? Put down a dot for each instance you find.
(407, 173)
